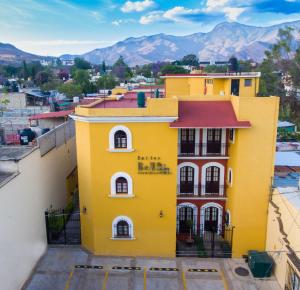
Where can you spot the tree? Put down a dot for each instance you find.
(103, 67)
(52, 85)
(44, 77)
(106, 82)
(70, 90)
(25, 70)
(63, 74)
(121, 70)
(190, 59)
(172, 69)
(80, 63)
(233, 64)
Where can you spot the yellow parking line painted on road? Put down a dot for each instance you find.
(184, 281)
(69, 280)
(224, 280)
(145, 278)
(105, 281)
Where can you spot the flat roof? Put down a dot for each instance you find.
(215, 75)
(207, 114)
(51, 115)
(14, 152)
(290, 158)
(121, 103)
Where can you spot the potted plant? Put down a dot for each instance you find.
(190, 224)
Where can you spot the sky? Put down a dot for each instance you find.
(55, 27)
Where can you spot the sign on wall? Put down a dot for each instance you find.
(152, 165)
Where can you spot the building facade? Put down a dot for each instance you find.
(198, 161)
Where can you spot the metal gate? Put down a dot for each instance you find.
(206, 244)
(63, 227)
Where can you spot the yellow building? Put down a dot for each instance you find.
(197, 163)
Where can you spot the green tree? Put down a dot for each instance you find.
(70, 89)
(80, 63)
(190, 59)
(106, 82)
(121, 70)
(172, 69)
(103, 67)
(233, 64)
(44, 76)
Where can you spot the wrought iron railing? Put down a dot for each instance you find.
(186, 149)
(205, 191)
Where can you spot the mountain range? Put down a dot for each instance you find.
(225, 40)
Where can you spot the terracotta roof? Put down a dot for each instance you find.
(207, 114)
(51, 115)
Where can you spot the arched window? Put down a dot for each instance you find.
(121, 185)
(230, 176)
(122, 228)
(120, 140)
(212, 178)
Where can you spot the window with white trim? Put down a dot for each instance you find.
(229, 177)
(122, 228)
(120, 139)
(121, 185)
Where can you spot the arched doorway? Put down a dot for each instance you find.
(187, 214)
(211, 219)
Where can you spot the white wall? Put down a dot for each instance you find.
(23, 200)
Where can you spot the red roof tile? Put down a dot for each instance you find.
(51, 115)
(207, 114)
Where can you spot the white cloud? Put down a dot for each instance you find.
(152, 17)
(118, 22)
(211, 5)
(137, 6)
(232, 13)
(178, 13)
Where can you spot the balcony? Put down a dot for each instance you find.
(209, 149)
(203, 191)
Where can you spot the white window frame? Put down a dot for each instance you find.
(113, 192)
(195, 213)
(112, 139)
(230, 174)
(203, 176)
(229, 217)
(223, 141)
(196, 175)
(114, 228)
(202, 216)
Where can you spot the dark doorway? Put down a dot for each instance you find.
(235, 87)
(214, 137)
(187, 142)
(211, 219)
(186, 220)
(212, 180)
(187, 179)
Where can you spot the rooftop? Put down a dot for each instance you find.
(208, 114)
(282, 124)
(228, 75)
(291, 158)
(15, 153)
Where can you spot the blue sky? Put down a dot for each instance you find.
(54, 27)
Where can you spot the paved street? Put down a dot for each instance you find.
(59, 269)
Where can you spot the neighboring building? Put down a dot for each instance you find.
(286, 127)
(288, 158)
(200, 161)
(288, 146)
(283, 235)
(32, 180)
(49, 120)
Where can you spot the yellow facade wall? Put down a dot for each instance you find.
(252, 162)
(193, 87)
(154, 235)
